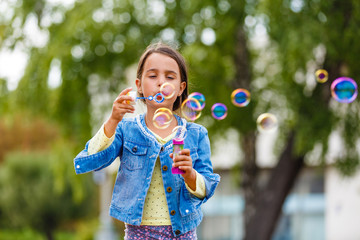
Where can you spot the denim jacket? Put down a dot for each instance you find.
(138, 150)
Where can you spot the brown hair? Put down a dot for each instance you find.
(174, 54)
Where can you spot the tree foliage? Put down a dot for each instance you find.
(30, 197)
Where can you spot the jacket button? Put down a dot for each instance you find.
(172, 212)
(169, 189)
(134, 149)
(162, 149)
(165, 168)
(177, 232)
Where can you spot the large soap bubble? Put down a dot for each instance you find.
(219, 111)
(162, 118)
(199, 97)
(267, 122)
(167, 90)
(344, 90)
(240, 97)
(191, 109)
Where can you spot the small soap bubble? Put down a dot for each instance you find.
(267, 122)
(162, 118)
(219, 111)
(344, 90)
(191, 109)
(240, 97)
(167, 90)
(200, 97)
(180, 132)
(321, 75)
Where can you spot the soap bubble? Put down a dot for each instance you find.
(180, 132)
(344, 90)
(240, 97)
(321, 75)
(191, 109)
(200, 97)
(267, 122)
(167, 90)
(219, 111)
(162, 118)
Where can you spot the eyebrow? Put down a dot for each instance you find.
(156, 70)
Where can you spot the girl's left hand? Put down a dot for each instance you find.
(184, 162)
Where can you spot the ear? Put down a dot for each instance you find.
(138, 85)
(182, 88)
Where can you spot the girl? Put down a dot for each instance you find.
(153, 202)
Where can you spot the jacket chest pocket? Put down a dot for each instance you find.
(134, 156)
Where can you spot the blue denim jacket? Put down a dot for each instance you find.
(138, 150)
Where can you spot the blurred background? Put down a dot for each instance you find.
(63, 62)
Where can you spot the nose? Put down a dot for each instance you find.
(161, 80)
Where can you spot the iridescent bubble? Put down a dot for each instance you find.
(240, 97)
(191, 109)
(321, 75)
(200, 97)
(180, 132)
(162, 118)
(267, 122)
(219, 111)
(167, 90)
(344, 90)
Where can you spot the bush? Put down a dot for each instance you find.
(29, 197)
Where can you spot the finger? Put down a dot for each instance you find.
(185, 168)
(123, 106)
(125, 91)
(123, 98)
(182, 164)
(185, 152)
(179, 158)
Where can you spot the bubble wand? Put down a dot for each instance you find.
(159, 97)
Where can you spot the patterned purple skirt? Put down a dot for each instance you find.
(144, 232)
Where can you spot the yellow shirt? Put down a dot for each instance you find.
(155, 210)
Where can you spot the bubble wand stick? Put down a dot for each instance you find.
(159, 97)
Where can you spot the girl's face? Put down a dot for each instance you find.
(159, 69)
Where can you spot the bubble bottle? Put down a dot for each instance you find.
(178, 145)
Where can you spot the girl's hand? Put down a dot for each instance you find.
(121, 106)
(184, 162)
(119, 109)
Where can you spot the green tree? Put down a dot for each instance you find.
(31, 197)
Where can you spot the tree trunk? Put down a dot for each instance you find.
(249, 173)
(270, 200)
(49, 235)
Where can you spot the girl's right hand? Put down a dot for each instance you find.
(119, 109)
(121, 106)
